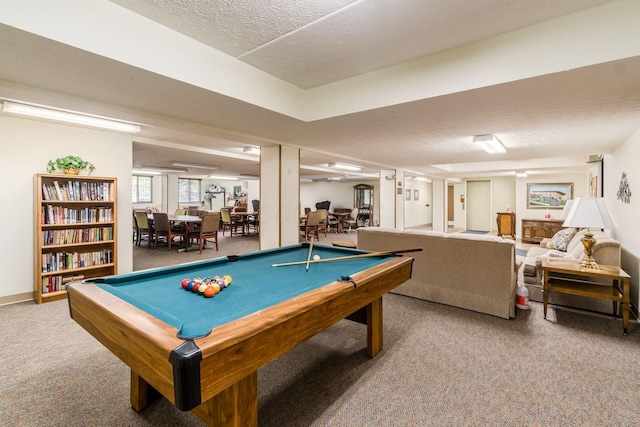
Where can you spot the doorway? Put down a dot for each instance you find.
(479, 206)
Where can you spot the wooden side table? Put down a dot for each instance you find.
(555, 279)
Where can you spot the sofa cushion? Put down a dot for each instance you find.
(561, 239)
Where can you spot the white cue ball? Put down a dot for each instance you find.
(316, 257)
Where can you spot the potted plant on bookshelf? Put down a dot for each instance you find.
(71, 165)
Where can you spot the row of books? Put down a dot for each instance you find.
(58, 261)
(78, 190)
(76, 235)
(62, 215)
(57, 283)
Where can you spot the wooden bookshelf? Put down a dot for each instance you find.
(75, 232)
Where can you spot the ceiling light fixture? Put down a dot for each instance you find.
(68, 117)
(522, 174)
(421, 178)
(228, 178)
(251, 150)
(344, 167)
(195, 165)
(161, 169)
(141, 172)
(490, 144)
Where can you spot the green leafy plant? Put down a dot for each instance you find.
(69, 163)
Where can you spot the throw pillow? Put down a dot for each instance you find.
(561, 239)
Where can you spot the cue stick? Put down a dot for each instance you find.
(372, 254)
(309, 256)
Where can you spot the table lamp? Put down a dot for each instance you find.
(588, 212)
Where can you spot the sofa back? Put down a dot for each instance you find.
(475, 272)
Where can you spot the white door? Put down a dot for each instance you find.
(479, 205)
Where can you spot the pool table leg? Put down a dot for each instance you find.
(235, 406)
(374, 327)
(141, 392)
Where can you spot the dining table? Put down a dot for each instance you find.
(187, 220)
(245, 216)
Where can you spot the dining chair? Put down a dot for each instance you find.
(208, 230)
(324, 217)
(163, 228)
(192, 211)
(352, 220)
(144, 228)
(310, 227)
(135, 227)
(181, 211)
(229, 221)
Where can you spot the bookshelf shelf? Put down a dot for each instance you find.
(76, 231)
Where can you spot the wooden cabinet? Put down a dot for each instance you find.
(363, 200)
(534, 230)
(75, 232)
(506, 224)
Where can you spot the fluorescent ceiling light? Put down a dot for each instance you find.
(162, 169)
(344, 167)
(142, 172)
(521, 174)
(228, 178)
(195, 165)
(334, 178)
(251, 150)
(490, 144)
(68, 117)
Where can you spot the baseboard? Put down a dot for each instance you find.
(13, 299)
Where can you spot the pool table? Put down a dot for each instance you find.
(203, 354)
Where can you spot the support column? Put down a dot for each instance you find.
(279, 196)
(439, 209)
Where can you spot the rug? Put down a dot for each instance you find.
(475, 232)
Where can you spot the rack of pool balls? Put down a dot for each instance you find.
(208, 287)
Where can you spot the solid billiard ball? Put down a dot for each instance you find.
(209, 292)
(185, 282)
(216, 287)
(316, 257)
(191, 285)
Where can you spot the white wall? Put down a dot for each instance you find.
(418, 212)
(27, 147)
(625, 215)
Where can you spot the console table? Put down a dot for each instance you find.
(534, 230)
(568, 277)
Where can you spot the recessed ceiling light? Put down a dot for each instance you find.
(344, 166)
(490, 144)
(195, 165)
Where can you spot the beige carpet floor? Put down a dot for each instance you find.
(440, 366)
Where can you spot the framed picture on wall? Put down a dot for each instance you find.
(407, 195)
(548, 196)
(416, 194)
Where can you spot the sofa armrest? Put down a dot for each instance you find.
(544, 242)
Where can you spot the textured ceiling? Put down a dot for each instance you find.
(548, 123)
(314, 42)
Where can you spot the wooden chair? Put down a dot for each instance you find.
(163, 228)
(181, 211)
(144, 227)
(192, 211)
(229, 221)
(352, 220)
(324, 218)
(208, 229)
(310, 227)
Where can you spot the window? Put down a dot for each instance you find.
(141, 189)
(188, 190)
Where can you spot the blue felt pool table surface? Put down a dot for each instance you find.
(256, 285)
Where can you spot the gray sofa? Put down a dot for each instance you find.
(606, 252)
(474, 272)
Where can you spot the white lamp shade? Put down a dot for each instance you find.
(566, 209)
(588, 212)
